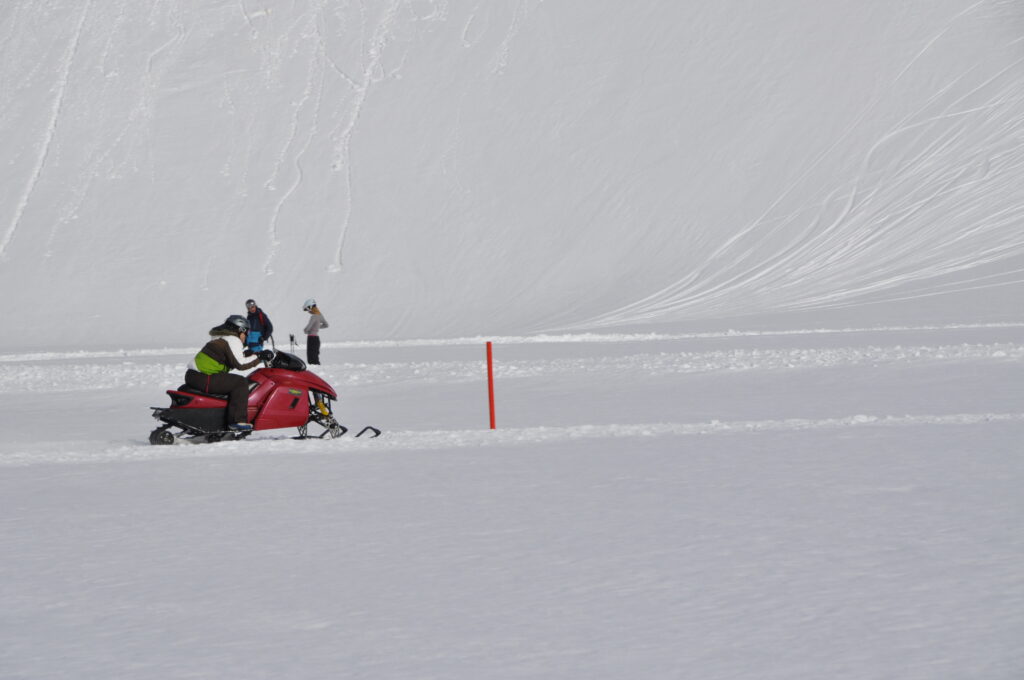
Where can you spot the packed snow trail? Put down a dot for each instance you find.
(427, 440)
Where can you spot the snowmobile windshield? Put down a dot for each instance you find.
(287, 361)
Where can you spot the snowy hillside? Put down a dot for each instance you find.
(433, 168)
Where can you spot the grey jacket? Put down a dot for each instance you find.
(316, 322)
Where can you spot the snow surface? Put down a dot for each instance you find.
(800, 505)
(753, 275)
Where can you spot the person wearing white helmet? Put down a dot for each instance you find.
(312, 331)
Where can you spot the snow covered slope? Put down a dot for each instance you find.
(430, 168)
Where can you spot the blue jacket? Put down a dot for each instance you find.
(260, 322)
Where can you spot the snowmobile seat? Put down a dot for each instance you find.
(191, 390)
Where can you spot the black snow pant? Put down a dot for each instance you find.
(312, 349)
(234, 385)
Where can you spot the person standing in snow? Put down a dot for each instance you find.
(312, 331)
(209, 370)
(260, 327)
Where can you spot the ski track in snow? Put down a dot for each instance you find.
(880, 235)
(51, 129)
(343, 133)
(320, 64)
(520, 14)
(102, 452)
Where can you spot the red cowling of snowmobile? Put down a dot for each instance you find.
(302, 379)
(282, 397)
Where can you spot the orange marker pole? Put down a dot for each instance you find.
(490, 382)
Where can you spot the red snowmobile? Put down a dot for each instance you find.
(282, 394)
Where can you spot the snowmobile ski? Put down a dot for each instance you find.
(339, 431)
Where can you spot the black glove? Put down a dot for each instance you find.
(247, 352)
(267, 355)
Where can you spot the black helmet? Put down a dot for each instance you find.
(238, 322)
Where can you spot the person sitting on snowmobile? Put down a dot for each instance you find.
(209, 370)
(260, 327)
